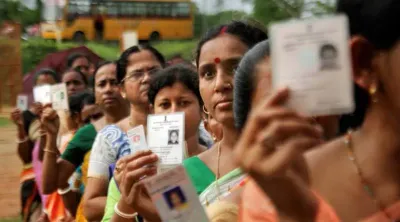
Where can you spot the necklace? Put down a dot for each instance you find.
(217, 176)
(367, 187)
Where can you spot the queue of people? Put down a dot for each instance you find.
(248, 156)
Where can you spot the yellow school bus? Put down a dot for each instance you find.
(108, 19)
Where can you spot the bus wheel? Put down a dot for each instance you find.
(154, 37)
(79, 37)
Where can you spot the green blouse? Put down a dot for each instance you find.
(80, 144)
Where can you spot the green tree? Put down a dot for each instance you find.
(13, 10)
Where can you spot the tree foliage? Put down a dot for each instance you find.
(13, 10)
(267, 11)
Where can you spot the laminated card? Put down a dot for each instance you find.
(175, 197)
(312, 58)
(165, 137)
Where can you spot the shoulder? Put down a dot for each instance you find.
(86, 129)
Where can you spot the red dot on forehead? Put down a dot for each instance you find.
(217, 60)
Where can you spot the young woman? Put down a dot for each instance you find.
(79, 62)
(174, 89)
(135, 68)
(62, 207)
(359, 173)
(56, 171)
(271, 146)
(28, 127)
(75, 80)
(218, 54)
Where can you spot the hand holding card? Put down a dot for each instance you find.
(50, 121)
(132, 190)
(175, 197)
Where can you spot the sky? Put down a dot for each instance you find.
(209, 6)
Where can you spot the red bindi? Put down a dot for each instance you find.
(223, 30)
(217, 60)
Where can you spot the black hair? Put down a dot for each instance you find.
(122, 62)
(73, 57)
(83, 76)
(46, 71)
(375, 20)
(326, 47)
(173, 131)
(174, 74)
(78, 100)
(245, 82)
(249, 34)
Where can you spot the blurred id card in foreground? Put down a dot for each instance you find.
(175, 197)
(42, 94)
(59, 97)
(22, 102)
(137, 138)
(165, 137)
(312, 58)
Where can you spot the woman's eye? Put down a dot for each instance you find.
(208, 74)
(164, 105)
(184, 103)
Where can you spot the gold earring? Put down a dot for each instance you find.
(372, 93)
(214, 138)
(205, 110)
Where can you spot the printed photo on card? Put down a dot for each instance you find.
(59, 97)
(175, 197)
(22, 102)
(42, 94)
(165, 137)
(312, 58)
(137, 138)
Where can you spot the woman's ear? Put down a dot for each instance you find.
(363, 59)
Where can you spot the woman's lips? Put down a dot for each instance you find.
(223, 104)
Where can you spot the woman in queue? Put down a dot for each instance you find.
(28, 126)
(218, 55)
(135, 68)
(57, 170)
(174, 89)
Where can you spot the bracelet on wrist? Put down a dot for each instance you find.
(24, 140)
(51, 151)
(124, 215)
(64, 191)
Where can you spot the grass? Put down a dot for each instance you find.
(171, 48)
(4, 122)
(106, 51)
(16, 219)
(111, 51)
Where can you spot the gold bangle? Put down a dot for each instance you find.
(24, 140)
(50, 151)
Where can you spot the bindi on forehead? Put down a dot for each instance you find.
(221, 48)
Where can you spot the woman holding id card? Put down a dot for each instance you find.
(174, 89)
